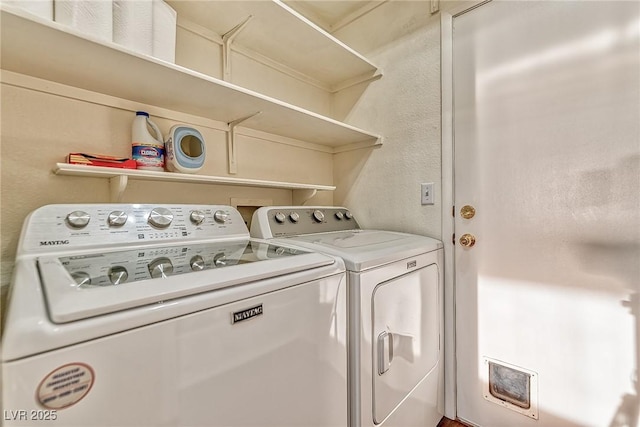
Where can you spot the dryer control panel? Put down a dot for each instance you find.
(282, 221)
(61, 227)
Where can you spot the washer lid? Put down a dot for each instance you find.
(91, 284)
(363, 249)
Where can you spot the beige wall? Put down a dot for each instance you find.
(382, 185)
(200, 50)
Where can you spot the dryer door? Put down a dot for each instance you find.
(405, 336)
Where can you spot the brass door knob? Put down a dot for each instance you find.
(467, 212)
(467, 240)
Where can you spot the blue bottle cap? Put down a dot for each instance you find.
(142, 113)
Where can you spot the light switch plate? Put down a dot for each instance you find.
(426, 193)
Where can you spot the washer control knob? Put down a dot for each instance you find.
(294, 217)
(81, 278)
(117, 219)
(318, 216)
(279, 217)
(339, 215)
(197, 263)
(78, 219)
(160, 268)
(160, 217)
(220, 260)
(118, 274)
(348, 215)
(197, 217)
(221, 217)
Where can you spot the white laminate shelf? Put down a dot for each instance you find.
(47, 50)
(119, 178)
(277, 31)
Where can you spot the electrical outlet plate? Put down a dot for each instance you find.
(426, 193)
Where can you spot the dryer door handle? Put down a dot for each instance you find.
(385, 351)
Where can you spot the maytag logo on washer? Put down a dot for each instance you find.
(54, 242)
(412, 264)
(249, 313)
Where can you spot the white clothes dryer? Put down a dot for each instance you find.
(144, 315)
(395, 299)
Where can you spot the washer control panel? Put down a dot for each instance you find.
(58, 227)
(116, 268)
(282, 221)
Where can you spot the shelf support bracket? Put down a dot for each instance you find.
(363, 79)
(227, 39)
(300, 197)
(117, 185)
(231, 142)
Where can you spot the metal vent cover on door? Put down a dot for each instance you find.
(511, 386)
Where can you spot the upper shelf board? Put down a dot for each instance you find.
(54, 52)
(144, 175)
(282, 34)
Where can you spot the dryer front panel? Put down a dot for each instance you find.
(405, 336)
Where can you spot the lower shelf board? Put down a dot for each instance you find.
(119, 179)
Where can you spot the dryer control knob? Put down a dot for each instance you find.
(160, 268)
(197, 263)
(197, 217)
(318, 216)
(220, 260)
(294, 217)
(117, 219)
(279, 217)
(160, 217)
(348, 215)
(78, 219)
(339, 215)
(118, 274)
(221, 217)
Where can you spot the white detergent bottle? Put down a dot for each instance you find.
(147, 150)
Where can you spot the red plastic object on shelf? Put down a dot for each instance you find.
(100, 160)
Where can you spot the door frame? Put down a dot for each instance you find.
(448, 187)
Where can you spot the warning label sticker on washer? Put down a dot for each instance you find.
(65, 386)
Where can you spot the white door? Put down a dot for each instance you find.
(547, 152)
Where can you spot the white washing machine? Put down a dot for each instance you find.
(142, 315)
(395, 293)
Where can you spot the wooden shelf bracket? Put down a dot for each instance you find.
(227, 39)
(117, 185)
(231, 141)
(300, 197)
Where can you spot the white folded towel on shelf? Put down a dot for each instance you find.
(133, 24)
(164, 31)
(41, 8)
(94, 17)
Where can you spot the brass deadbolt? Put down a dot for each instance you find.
(467, 212)
(467, 240)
